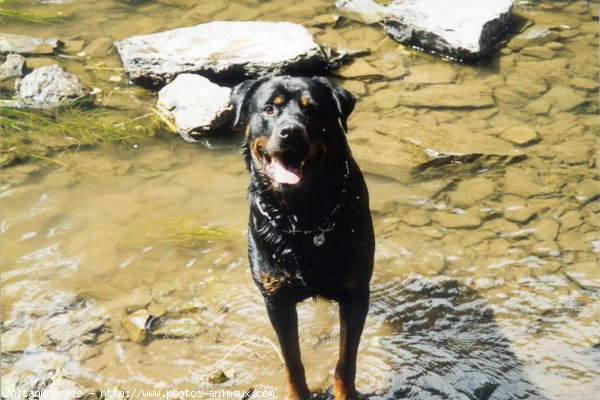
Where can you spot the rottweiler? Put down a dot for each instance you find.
(310, 231)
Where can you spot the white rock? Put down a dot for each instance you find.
(461, 29)
(196, 105)
(227, 50)
(50, 86)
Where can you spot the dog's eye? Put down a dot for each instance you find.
(268, 110)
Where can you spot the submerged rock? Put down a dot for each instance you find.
(50, 86)
(179, 328)
(224, 50)
(11, 43)
(460, 29)
(471, 95)
(197, 106)
(135, 324)
(520, 135)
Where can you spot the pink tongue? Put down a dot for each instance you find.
(283, 175)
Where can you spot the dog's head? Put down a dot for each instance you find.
(292, 125)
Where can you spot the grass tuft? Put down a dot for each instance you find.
(33, 134)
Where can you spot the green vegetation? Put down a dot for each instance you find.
(37, 16)
(185, 231)
(33, 134)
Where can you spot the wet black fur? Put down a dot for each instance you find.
(349, 247)
(341, 268)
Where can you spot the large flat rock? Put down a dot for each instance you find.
(388, 148)
(221, 51)
(197, 106)
(459, 29)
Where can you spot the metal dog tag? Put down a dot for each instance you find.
(319, 239)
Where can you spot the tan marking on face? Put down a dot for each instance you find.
(278, 101)
(304, 101)
(256, 144)
(248, 132)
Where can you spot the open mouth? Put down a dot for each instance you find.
(283, 168)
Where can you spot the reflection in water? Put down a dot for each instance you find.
(446, 344)
(486, 285)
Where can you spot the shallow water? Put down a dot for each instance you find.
(487, 283)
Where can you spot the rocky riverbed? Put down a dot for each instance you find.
(123, 247)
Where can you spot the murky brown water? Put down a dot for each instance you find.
(487, 282)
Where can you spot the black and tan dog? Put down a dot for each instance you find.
(310, 231)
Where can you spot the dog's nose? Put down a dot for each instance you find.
(291, 131)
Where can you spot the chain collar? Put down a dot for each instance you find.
(327, 225)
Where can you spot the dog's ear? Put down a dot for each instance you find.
(344, 100)
(240, 96)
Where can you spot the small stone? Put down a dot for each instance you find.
(99, 47)
(74, 46)
(157, 310)
(218, 377)
(546, 230)
(526, 83)
(519, 183)
(471, 192)
(584, 84)
(355, 87)
(417, 218)
(520, 135)
(587, 190)
(458, 221)
(359, 68)
(179, 328)
(545, 249)
(477, 237)
(115, 78)
(570, 220)
(433, 72)
(533, 36)
(516, 209)
(538, 106)
(135, 325)
(564, 98)
(539, 52)
(37, 62)
(13, 66)
(50, 86)
(322, 20)
(194, 116)
(573, 241)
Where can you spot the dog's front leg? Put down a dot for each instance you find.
(284, 319)
(353, 312)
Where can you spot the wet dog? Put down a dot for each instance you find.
(310, 231)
